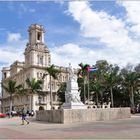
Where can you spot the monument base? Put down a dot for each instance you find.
(82, 115)
(74, 106)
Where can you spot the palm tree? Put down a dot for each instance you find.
(34, 87)
(130, 79)
(61, 92)
(21, 90)
(102, 66)
(53, 73)
(111, 79)
(12, 89)
(96, 87)
(83, 73)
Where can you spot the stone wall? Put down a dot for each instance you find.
(55, 116)
(82, 115)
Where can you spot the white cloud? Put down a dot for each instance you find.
(133, 14)
(99, 24)
(119, 47)
(13, 37)
(72, 53)
(9, 57)
(13, 49)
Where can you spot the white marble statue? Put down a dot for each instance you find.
(72, 76)
(72, 95)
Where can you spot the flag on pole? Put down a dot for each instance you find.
(92, 69)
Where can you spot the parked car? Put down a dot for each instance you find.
(13, 113)
(2, 115)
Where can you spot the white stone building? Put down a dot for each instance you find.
(37, 58)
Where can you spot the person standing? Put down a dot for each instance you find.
(23, 115)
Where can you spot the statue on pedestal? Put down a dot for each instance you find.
(72, 95)
(72, 76)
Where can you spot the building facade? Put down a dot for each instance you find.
(37, 58)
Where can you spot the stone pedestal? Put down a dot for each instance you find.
(82, 115)
(74, 106)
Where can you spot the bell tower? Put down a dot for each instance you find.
(36, 52)
(36, 34)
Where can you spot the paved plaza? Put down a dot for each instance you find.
(118, 129)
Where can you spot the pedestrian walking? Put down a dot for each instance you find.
(23, 115)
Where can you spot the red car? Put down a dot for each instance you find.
(2, 115)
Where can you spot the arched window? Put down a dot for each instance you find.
(5, 76)
(39, 36)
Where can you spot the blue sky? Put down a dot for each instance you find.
(76, 32)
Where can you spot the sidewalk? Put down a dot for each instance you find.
(118, 129)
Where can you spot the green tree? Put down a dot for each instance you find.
(82, 73)
(130, 79)
(12, 88)
(98, 81)
(35, 87)
(61, 92)
(97, 88)
(112, 78)
(53, 73)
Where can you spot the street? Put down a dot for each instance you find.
(11, 128)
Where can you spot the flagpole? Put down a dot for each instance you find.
(88, 88)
